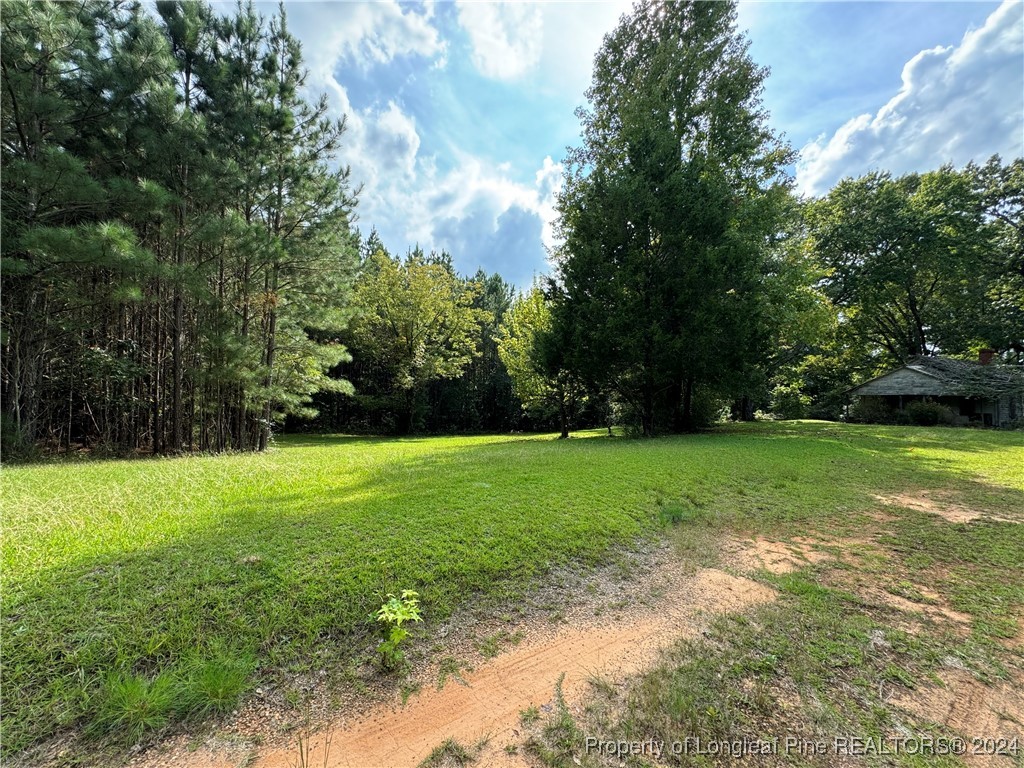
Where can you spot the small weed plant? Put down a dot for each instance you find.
(395, 612)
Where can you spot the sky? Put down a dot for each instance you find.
(459, 114)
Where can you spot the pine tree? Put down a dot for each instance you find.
(178, 254)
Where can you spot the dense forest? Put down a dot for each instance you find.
(181, 269)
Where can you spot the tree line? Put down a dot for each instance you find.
(692, 282)
(178, 250)
(181, 269)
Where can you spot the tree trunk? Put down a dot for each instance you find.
(268, 407)
(746, 409)
(688, 405)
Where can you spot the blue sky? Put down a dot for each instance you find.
(460, 113)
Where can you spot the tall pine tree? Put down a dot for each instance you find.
(666, 211)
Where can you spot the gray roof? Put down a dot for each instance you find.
(964, 377)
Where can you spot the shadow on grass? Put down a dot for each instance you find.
(292, 578)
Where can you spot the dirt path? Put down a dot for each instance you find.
(606, 625)
(486, 705)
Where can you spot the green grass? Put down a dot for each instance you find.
(824, 661)
(805, 666)
(819, 662)
(201, 575)
(449, 754)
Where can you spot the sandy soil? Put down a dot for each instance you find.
(936, 609)
(972, 709)
(773, 556)
(660, 605)
(488, 706)
(941, 503)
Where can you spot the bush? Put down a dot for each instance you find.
(788, 402)
(928, 414)
(827, 406)
(871, 410)
(708, 408)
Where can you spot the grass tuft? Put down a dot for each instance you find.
(449, 754)
(130, 705)
(215, 685)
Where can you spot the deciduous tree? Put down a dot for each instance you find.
(530, 350)
(417, 319)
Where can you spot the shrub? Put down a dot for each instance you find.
(828, 406)
(708, 408)
(928, 414)
(871, 410)
(788, 402)
(392, 614)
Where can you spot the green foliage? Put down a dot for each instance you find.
(177, 250)
(418, 323)
(667, 211)
(916, 261)
(872, 410)
(789, 401)
(527, 346)
(929, 414)
(394, 612)
(528, 318)
(482, 398)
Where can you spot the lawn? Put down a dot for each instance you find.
(141, 592)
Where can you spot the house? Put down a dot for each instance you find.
(981, 392)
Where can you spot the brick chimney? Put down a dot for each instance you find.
(985, 356)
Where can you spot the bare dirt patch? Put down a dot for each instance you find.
(772, 556)
(941, 503)
(612, 631)
(935, 609)
(972, 709)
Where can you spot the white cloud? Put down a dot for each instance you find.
(573, 33)
(363, 33)
(381, 145)
(506, 37)
(957, 103)
(471, 206)
(482, 216)
(392, 138)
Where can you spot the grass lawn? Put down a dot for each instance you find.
(141, 592)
